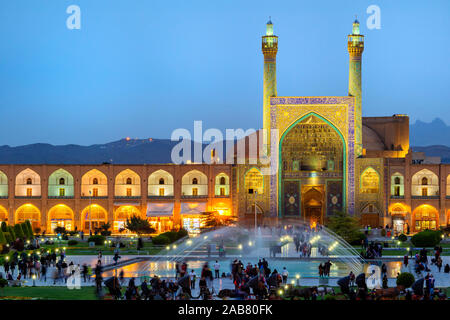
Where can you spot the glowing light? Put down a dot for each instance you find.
(240, 247)
(292, 282)
(250, 243)
(189, 242)
(205, 237)
(280, 292)
(168, 247)
(297, 276)
(174, 246)
(286, 287)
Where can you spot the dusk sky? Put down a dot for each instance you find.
(144, 68)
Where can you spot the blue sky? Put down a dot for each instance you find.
(143, 68)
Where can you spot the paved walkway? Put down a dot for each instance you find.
(442, 279)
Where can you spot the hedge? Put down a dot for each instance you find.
(402, 237)
(405, 279)
(426, 238)
(4, 226)
(174, 235)
(18, 231)
(161, 239)
(98, 239)
(72, 242)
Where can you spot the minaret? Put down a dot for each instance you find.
(269, 49)
(355, 49)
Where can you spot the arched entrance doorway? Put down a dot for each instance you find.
(94, 215)
(28, 212)
(60, 216)
(122, 214)
(312, 204)
(425, 217)
(399, 223)
(312, 170)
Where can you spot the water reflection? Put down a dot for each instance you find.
(303, 268)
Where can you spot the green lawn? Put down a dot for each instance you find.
(51, 293)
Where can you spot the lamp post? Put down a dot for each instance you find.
(256, 220)
(90, 203)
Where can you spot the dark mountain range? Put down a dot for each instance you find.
(431, 133)
(432, 138)
(132, 151)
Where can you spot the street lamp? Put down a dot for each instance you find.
(90, 202)
(256, 223)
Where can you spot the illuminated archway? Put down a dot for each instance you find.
(94, 183)
(60, 184)
(60, 216)
(194, 183)
(370, 181)
(398, 214)
(3, 185)
(127, 184)
(28, 212)
(425, 217)
(222, 185)
(28, 184)
(425, 183)
(96, 215)
(122, 214)
(160, 184)
(311, 151)
(397, 185)
(3, 214)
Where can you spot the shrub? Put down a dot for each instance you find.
(25, 230)
(30, 229)
(405, 279)
(59, 229)
(8, 237)
(4, 226)
(182, 233)
(171, 235)
(426, 238)
(12, 233)
(2, 238)
(72, 242)
(18, 231)
(402, 237)
(161, 240)
(357, 238)
(98, 239)
(3, 283)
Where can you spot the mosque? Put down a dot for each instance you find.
(328, 158)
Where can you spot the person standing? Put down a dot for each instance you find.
(217, 269)
(285, 275)
(439, 263)
(192, 276)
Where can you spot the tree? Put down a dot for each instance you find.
(30, 229)
(139, 226)
(212, 220)
(18, 231)
(4, 226)
(347, 227)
